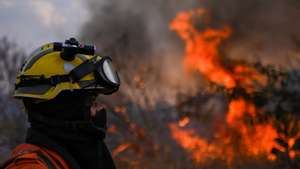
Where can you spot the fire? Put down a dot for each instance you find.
(183, 122)
(253, 141)
(112, 129)
(248, 78)
(202, 48)
(237, 109)
(250, 135)
(202, 54)
(260, 139)
(120, 149)
(194, 144)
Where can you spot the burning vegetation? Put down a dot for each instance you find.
(248, 130)
(202, 54)
(212, 87)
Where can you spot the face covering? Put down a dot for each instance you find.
(69, 112)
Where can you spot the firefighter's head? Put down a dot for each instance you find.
(60, 81)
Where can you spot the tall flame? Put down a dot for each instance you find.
(202, 48)
(202, 54)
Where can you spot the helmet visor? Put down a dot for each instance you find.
(109, 72)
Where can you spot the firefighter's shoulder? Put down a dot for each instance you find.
(28, 156)
(25, 161)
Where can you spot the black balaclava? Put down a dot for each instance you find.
(84, 141)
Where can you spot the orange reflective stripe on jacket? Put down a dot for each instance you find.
(29, 156)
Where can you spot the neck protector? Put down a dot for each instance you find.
(68, 115)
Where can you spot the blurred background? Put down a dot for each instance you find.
(205, 83)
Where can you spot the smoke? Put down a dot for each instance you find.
(265, 30)
(137, 34)
(144, 23)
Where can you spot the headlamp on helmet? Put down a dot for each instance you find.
(71, 47)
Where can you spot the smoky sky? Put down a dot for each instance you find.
(267, 30)
(32, 23)
(142, 25)
(262, 29)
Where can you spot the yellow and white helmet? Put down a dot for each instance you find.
(56, 67)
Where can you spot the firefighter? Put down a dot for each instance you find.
(58, 85)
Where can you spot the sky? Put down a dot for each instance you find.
(31, 23)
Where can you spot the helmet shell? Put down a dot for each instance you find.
(47, 62)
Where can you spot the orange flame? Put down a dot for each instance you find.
(256, 139)
(112, 129)
(202, 48)
(183, 122)
(237, 110)
(194, 144)
(120, 149)
(202, 54)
